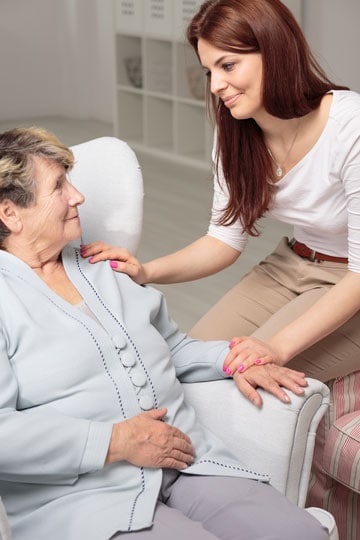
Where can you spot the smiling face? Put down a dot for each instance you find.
(235, 78)
(52, 221)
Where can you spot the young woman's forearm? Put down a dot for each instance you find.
(335, 308)
(202, 258)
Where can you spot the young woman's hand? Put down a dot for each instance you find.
(272, 378)
(121, 260)
(246, 351)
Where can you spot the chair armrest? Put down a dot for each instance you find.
(341, 452)
(277, 439)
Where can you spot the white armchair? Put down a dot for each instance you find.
(278, 439)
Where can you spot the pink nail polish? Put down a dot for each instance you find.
(228, 371)
(231, 344)
(258, 361)
(241, 368)
(113, 264)
(224, 369)
(91, 259)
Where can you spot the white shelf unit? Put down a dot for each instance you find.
(161, 110)
(159, 105)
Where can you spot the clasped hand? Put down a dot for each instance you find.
(147, 441)
(253, 364)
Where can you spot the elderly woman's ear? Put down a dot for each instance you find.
(9, 215)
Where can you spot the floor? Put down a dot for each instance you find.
(176, 211)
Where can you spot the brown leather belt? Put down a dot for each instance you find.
(306, 253)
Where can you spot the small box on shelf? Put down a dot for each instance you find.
(184, 10)
(129, 16)
(158, 18)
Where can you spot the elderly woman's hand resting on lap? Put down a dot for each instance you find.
(145, 441)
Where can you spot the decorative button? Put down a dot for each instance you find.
(138, 379)
(127, 359)
(119, 341)
(146, 402)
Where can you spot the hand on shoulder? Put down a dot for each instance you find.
(121, 260)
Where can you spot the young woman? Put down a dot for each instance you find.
(287, 145)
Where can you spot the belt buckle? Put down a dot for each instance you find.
(312, 256)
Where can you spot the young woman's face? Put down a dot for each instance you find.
(234, 78)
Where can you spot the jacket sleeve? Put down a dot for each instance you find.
(194, 360)
(39, 445)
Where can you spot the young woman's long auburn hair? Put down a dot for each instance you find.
(293, 85)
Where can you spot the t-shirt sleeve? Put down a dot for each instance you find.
(232, 235)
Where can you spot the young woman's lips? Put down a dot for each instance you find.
(231, 100)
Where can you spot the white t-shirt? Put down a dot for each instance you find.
(320, 196)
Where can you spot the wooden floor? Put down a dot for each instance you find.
(176, 211)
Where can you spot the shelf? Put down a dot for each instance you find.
(128, 56)
(159, 124)
(160, 86)
(191, 131)
(129, 121)
(158, 61)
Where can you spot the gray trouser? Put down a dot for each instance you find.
(274, 293)
(210, 508)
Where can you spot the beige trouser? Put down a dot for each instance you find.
(275, 292)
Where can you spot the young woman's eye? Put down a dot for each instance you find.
(207, 74)
(228, 66)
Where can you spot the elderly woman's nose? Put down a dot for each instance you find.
(75, 196)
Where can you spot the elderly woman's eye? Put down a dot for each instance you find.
(59, 183)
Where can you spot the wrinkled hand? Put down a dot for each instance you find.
(245, 351)
(272, 378)
(121, 260)
(146, 441)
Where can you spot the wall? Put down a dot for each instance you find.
(56, 58)
(332, 29)
(56, 55)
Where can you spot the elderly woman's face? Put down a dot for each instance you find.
(53, 220)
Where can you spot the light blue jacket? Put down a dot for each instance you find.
(65, 379)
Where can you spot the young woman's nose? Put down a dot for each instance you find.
(217, 83)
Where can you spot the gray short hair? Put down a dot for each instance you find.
(17, 148)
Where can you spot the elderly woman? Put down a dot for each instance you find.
(96, 441)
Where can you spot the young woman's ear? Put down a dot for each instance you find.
(10, 216)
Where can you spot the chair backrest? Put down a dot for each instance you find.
(108, 174)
